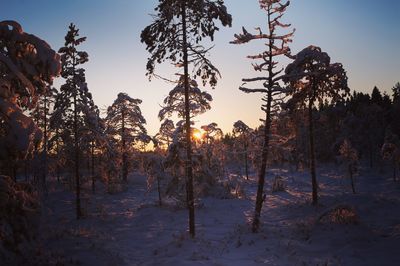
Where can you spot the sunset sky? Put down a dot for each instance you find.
(363, 35)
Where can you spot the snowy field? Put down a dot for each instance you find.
(129, 228)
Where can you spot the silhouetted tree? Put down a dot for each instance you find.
(125, 120)
(74, 104)
(391, 151)
(312, 78)
(211, 133)
(164, 135)
(42, 115)
(27, 66)
(242, 131)
(277, 45)
(175, 35)
(350, 158)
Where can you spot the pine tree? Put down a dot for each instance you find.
(396, 92)
(277, 45)
(395, 109)
(27, 66)
(125, 119)
(164, 135)
(93, 138)
(211, 133)
(42, 115)
(391, 151)
(312, 78)
(175, 35)
(74, 104)
(242, 131)
(350, 158)
(175, 102)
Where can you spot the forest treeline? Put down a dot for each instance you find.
(60, 134)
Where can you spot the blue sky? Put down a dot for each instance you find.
(364, 35)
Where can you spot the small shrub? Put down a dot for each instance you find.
(278, 184)
(19, 217)
(342, 214)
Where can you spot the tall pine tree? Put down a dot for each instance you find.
(125, 121)
(268, 83)
(312, 79)
(74, 105)
(176, 35)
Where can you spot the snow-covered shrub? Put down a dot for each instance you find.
(234, 186)
(154, 170)
(342, 214)
(278, 184)
(19, 213)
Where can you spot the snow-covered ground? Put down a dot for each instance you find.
(129, 228)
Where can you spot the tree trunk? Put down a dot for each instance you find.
(189, 169)
(58, 156)
(370, 153)
(92, 168)
(261, 175)
(124, 159)
(45, 145)
(351, 179)
(159, 190)
(77, 179)
(76, 148)
(260, 198)
(312, 153)
(246, 164)
(26, 169)
(14, 171)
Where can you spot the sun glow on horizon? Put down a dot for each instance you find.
(197, 135)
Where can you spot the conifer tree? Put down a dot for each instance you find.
(93, 137)
(396, 92)
(125, 119)
(312, 78)
(74, 105)
(350, 158)
(242, 131)
(164, 135)
(41, 114)
(176, 35)
(269, 86)
(175, 102)
(27, 66)
(391, 151)
(211, 133)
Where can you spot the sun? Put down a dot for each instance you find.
(197, 135)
